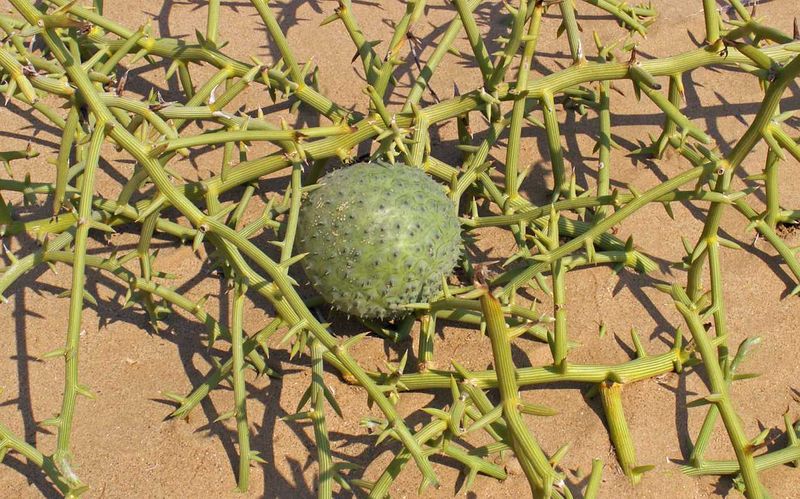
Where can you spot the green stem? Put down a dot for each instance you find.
(611, 397)
(591, 71)
(604, 142)
(604, 225)
(296, 193)
(72, 387)
(783, 249)
(771, 189)
(627, 372)
(216, 376)
(14, 69)
(712, 21)
(529, 213)
(558, 345)
(290, 296)
(525, 447)
(553, 133)
(9, 441)
(474, 37)
(212, 23)
(593, 486)
(764, 462)
(370, 60)
(625, 13)
(239, 387)
(414, 10)
(570, 25)
(518, 111)
(324, 459)
(427, 333)
(674, 96)
(113, 61)
(719, 394)
(511, 47)
(70, 132)
(380, 488)
(449, 36)
(278, 38)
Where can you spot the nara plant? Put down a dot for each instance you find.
(67, 61)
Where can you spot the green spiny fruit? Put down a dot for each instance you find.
(378, 236)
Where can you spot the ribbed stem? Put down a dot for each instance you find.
(611, 396)
(570, 25)
(324, 459)
(72, 387)
(474, 37)
(603, 146)
(593, 486)
(771, 189)
(553, 132)
(212, 22)
(518, 111)
(70, 132)
(712, 21)
(239, 387)
(421, 83)
(539, 473)
(721, 398)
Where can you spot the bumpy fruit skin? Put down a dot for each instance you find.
(378, 236)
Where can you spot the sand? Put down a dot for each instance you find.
(123, 443)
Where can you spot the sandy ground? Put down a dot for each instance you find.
(123, 444)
